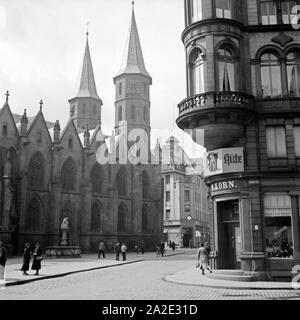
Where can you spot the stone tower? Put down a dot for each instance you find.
(132, 105)
(85, 108)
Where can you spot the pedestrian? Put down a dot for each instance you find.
(26, 259)
(123, 251)
(37, 259)
(101, 250)
(118, 250)
(162, 248)
(203, 256)
(3, 259)
(136, 248)
(173, 246)
(143, 247)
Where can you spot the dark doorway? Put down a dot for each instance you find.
(229, 237)
(187, 236)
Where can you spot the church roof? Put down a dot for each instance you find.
(87, 87)
(133, 60)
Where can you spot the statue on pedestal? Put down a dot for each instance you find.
(64, 227)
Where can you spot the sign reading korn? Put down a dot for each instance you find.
(223, 161)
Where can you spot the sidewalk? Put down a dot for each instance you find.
(193, 276)
(59, 267)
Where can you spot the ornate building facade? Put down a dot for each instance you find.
(243, 80)
(48, 174)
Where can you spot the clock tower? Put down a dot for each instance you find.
(132, 104)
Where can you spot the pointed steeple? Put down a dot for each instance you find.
(87, 88)
(133, 60)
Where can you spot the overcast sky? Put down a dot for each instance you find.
(42, 46)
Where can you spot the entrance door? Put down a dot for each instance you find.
(229, 235)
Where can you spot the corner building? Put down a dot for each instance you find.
(243, 92)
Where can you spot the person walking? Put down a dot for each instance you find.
(3, 259)
(136, 248)
(101, 250)
(26, 259)
(143, 247)
(203, 256)
(173, 246)
(118, 250)
(37, 259)
(123, 251)
(162, 248)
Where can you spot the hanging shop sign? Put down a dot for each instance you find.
(223, 161)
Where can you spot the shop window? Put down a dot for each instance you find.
(227, 68)
(278, 230)
(293, 73)
(196, 63)
(223, 9)
(270, 76)
(297, 140)
(276, 141)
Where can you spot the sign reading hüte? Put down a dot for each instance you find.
(223, 161)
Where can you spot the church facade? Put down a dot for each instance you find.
(48, 174)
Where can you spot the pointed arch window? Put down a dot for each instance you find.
(96, 217)
(97, 178)
(122, 215)
(227, 68)
(121, 182)
(39, 136)
(70, 143)
(293, 73)
(36, 170)
(33, 215)
(68, 175)
(145, 221)
(4, 129)
(270, 76)
(145, 185)
(196, 63)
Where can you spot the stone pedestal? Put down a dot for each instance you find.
(63, 251)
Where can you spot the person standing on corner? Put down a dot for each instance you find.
(123, 251)
(203, 257)
(162, 248)
(26, 259)
(143, 247)
(101, 250)
(3, 259)
(37, 258)
(117, 250)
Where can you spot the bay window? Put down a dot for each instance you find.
(197, 71)
(293, 73)
(226, 69)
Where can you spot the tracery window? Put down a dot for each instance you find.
(36, 170)
(97, 178)
(68, 175)
(122, 212)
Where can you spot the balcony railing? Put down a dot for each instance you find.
(215, 99)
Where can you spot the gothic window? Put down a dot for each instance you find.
(36, 170)
(121, 182)
(39, 136)
(4, 129)
(68, 175)
(270, 76)
(133, 111)
(146, 185)
(97, 178)
(223, 9)
(120, 88)
(227, 68)
(122, 213)
(120, 113)
(196, 63)
(70, 143)
(293, 73)
(96, 217)
(144, 218)
(33, 215)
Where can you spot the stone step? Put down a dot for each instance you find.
(229, 277)
(229, 272)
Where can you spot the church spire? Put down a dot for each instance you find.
(87, 88)
(133, 60)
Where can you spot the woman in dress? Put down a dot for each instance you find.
(26, 259)
(37, 258)
(203, 255)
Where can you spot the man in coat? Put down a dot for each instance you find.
(101, 250)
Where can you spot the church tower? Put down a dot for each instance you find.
(132, 105)
(85, 108)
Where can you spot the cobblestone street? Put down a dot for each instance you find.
(139, 281)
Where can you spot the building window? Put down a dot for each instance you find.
(122, 218)
(121, 182)
(120, 114)
(70, 143)
(145, 185)
(167, 179)
(168, 214)
(270, 76)
(4, 129)
(293, 73)
(167, 196)
(297, 140)
(96, 217)
(120, 88)
(97, 178)
(196, 10)
(227, 68)
(39, 136)
(36, 170)
(287, 7)
(268, 11)
(68, 175)
(223, 9)
(276, 142)
(197, 71)
(186, 195)
(278, 230)
(33, 215)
